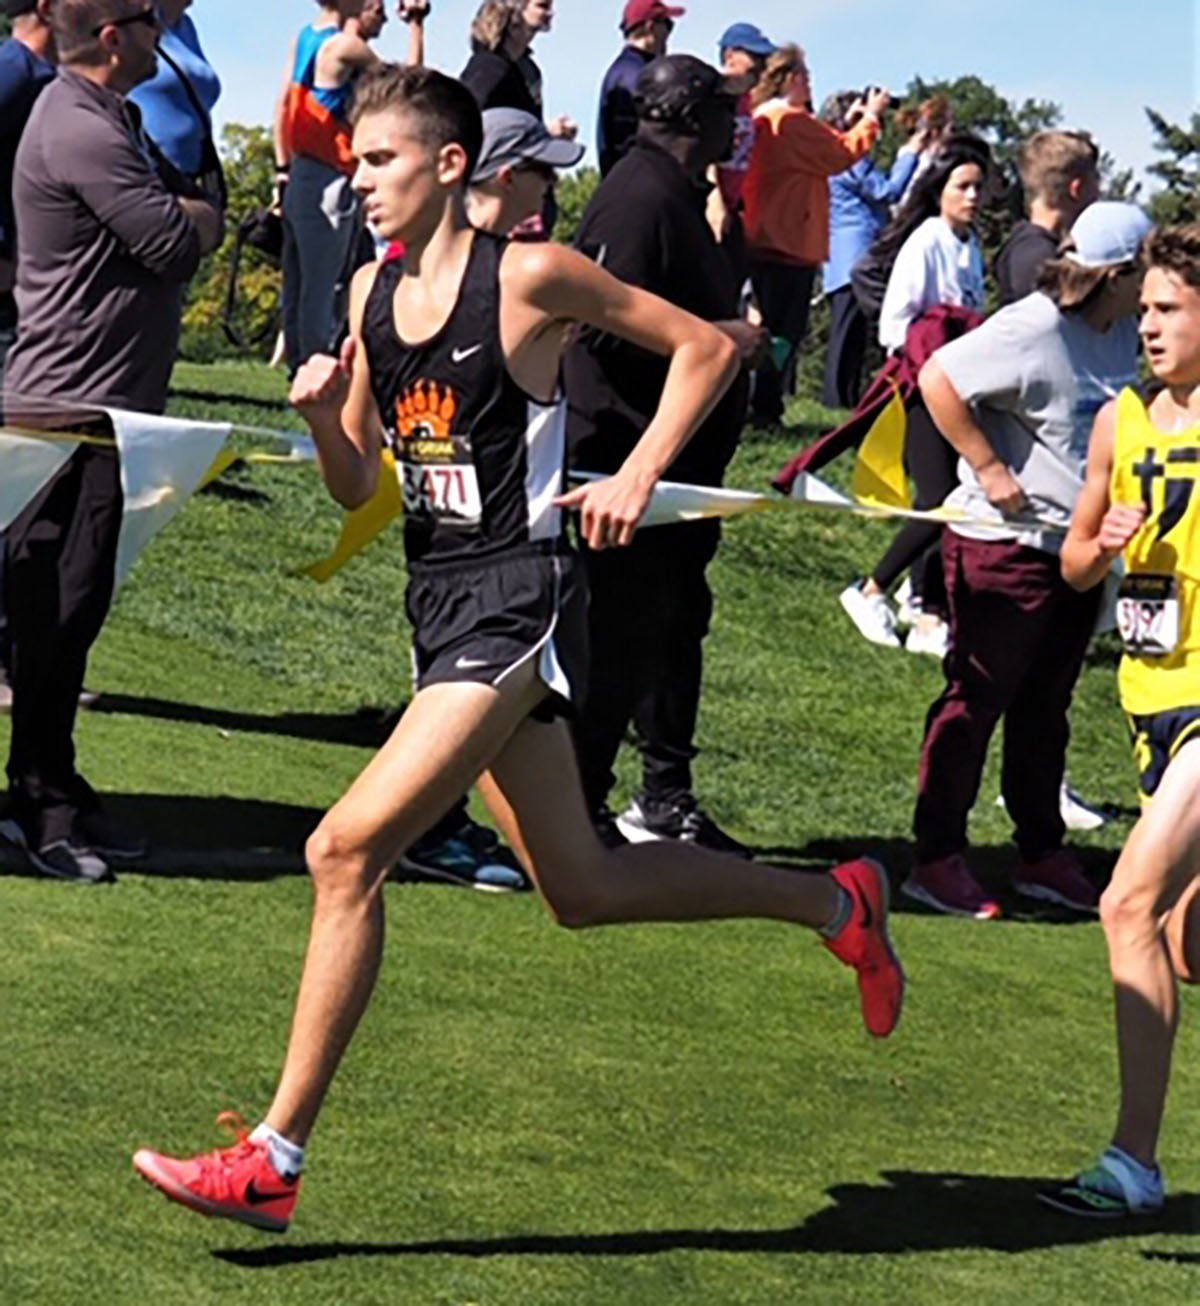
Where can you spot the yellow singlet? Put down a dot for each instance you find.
(1161, 470)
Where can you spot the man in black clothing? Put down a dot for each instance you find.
(650, 604)
(1060, 174)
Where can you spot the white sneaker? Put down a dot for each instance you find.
(907, 609)
(1077, 812)
(871, 614)
(933, 640)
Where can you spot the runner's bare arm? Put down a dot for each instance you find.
(547, 286)
(342, 56)
(334, 397)
(1100, 529)
(414, 15)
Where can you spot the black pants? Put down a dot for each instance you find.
(648, 613)
(784, 293)
(60, 566)
(933, 465)
(847, 348)
(8, 337)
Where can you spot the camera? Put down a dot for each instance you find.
(894, 101)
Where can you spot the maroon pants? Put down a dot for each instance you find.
(1018, 637)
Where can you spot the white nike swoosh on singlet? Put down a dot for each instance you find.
(461, 355)
(469, 664)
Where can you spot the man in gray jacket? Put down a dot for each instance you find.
(104, 256)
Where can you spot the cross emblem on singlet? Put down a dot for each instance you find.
(1146, 472)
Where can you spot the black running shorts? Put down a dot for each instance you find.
(1156, 740)
(479, 624)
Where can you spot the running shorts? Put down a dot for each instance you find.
(1156, 741)
(480, 623)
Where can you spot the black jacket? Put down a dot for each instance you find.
(646, 225)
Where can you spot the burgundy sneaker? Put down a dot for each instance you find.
(947, 885)
(1058, 878)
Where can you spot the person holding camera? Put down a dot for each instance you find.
(861, 201)
(786, 200)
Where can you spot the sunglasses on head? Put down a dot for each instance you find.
(147, 16)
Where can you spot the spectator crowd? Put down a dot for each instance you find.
(722, 191)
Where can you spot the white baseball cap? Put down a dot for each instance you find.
(1108, 233)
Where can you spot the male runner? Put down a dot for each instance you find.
(1140, 502)
(496, 607)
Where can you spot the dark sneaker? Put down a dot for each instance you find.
(457, 861)
(1113, 1189)
(1058, 878)
(608, 830)
(947, 885)
(647, 819)
(62, 859)
(113, 840)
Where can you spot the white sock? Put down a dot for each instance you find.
(287, 1157)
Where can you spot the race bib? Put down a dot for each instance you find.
(440, 481)
(1148, 614)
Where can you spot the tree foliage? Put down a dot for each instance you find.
(249, 160)
(5, 27)
(1178, 170)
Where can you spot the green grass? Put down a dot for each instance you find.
(638, 1116)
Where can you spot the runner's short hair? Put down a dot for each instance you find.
(441, 109)
(1175, 249)
(1050, 161)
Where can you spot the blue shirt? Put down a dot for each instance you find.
(23, 75)
(168, 115)
(308, 49)
(617, 122)
(860, 201)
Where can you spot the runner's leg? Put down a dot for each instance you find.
(446, 737)
(585, 884)
(1158, 863)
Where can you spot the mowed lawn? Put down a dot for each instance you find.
(531, 1117)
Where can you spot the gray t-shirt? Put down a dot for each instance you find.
(1035, 379)
(103, 257)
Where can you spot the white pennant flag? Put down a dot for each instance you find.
(26, 464)
(163, 462)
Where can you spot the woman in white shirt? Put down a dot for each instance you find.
(938, 262)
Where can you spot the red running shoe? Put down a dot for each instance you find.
(1058, 878)
(235, 1183)
(865, 945)
(947, 885)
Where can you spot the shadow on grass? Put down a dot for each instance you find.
(204, 837)
(993, 865)
(1173, 1258)
(367, 727)
(907, 1212)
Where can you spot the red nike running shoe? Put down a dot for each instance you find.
(235, 1183)
(865, 945)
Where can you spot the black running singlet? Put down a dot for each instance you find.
(482, 462)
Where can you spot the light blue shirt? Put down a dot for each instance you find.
(860, 201)
(168, 115)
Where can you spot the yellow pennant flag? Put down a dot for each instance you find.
(880, 480)
(365, 523)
